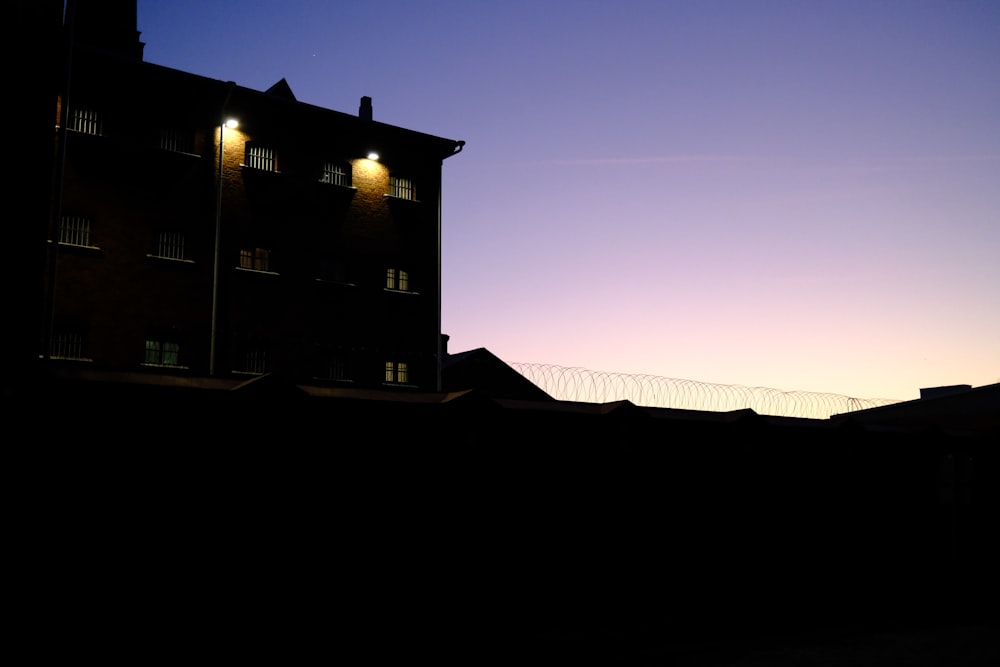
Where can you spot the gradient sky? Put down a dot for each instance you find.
(791, 194)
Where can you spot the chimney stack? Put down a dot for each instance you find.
(365, 112)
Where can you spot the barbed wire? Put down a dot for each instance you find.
(587, 386)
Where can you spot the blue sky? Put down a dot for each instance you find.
(798, 195)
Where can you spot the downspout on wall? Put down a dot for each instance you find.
(441, 344)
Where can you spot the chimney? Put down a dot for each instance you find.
(365, 112)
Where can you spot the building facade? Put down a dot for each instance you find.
(302, 241)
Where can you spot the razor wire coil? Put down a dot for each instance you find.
(588, 386)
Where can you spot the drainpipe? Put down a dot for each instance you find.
(218, 231)
(456, 149)
(55, 224)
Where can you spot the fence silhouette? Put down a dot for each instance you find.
(587, 386)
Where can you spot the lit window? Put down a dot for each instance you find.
(74, 230)
(67, 345)
(178, 141)
(260, 157)
(397, 372)
(86, 121)
(170, 245)
(397, 279)
(401, 188)
(336, 173)
(255, 259)
(162, 352)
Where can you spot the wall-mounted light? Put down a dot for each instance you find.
(232, 123)
(372, 155)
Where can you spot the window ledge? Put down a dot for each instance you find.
(258, 170)
(400, 384)
(265, 273)
(327, 281)
(148, 364)
(395, 198)
(170, 259)
(400, 291)
(181, 153)
(89, 249)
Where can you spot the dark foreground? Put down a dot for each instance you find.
(364, 539)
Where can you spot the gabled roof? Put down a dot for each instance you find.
(283, 90)
(483, 371)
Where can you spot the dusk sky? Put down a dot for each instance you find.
(792, 194)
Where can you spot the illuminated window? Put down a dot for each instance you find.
(336, 173)
(401, 188)
(260, 157)
(74, 230)
(86, 121)
(177, 141)
(170, 245)
(255, 259)
(67, 344)
(162, 352)
(397, 372)
(397, 279)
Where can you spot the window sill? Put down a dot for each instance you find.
(82, 249)
(395, 198)
(147, 364)
(171, 151)
(176, 260)
(264, 273)
(400, 291)
(400, 385)
(258, 170)
(327, 281)
(337, 186)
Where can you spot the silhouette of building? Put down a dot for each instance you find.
(303, 242)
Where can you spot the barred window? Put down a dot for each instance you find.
(255, 361)
(397, 279)
(333, 366)
(401, 187)
(397, 372)
(162, 352)
(178, 141)
(74, 230)
(333, 270)
(170, 245)
(67, 345)
(260, 157)
(255, 259)
(86, 121)
(336, 173)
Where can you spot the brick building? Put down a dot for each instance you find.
(302, 242)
